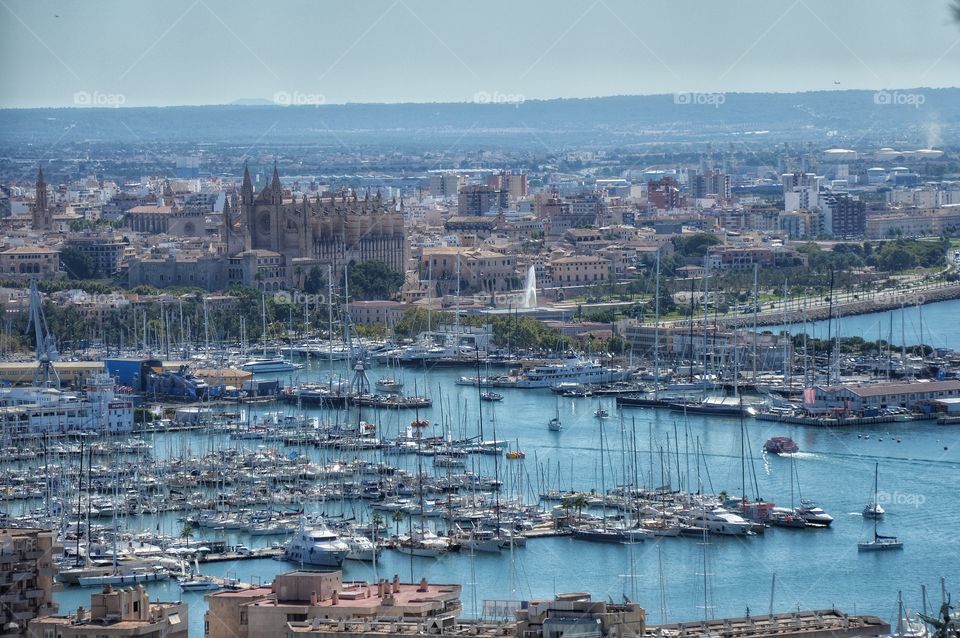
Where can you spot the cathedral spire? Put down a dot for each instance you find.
(246, 190)
(275, 186)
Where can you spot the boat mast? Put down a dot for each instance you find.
(656, 336)
(756, 311)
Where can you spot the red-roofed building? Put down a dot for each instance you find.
(303, 596)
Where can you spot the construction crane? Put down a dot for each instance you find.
(46, 374)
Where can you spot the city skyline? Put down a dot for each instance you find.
(199, 52)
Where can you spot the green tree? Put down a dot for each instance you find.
(77, 263)
(398, 517)
(373, 280)
(577, 501)
(316, 281)
(695, 246)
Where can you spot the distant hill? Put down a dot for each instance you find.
(915, 117)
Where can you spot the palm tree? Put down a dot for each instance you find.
(398, 517)
(187, 533)
(376, 521)
(577, 501)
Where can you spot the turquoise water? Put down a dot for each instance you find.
(919, 465)
(937, 324)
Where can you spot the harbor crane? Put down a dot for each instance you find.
(46, 374)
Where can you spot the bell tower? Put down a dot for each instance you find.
(42, 217)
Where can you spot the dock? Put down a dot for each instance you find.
(834, 422)
(220, 557)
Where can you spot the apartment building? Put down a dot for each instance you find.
(301, 600)
(27, 576)
(117, 613)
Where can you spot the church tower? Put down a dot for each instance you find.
(246, 208)
(42, 215)
(276, 188)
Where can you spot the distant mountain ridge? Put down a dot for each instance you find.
(918, 115)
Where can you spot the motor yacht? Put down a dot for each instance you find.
(317, 547)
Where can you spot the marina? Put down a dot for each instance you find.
(468, 485)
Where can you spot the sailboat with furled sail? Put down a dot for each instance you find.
(880, 542)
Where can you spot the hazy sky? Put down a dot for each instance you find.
(169, 52)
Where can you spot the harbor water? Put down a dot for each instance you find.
(919, 479)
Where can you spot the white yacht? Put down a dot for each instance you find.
(317, 547)
(199, 583)
(423, 543)
(717, 520)
(260, 366)
(481, 540)
(361, 548)
(571, 370)
(873, 510)
(813, 514)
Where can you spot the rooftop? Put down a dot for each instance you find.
(881, 389)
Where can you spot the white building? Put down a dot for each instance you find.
(801, 191)
(35, 411)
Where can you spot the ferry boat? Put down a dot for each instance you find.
(260, 366)
(781, 445)
(318, 547)
(571, 370)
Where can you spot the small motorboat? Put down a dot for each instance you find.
(516, 455)
(554, 425)
(600, 413)
(199, 583)
(391, 386)
(781, 445)
(420, 423)
(491, 396)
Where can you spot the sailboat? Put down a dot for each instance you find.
(554, 425)
(879, 543)
(600, 412)
(906, 628)
(197, 581)
(601, 533)
(873, 508)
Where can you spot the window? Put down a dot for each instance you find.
(243, 616)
